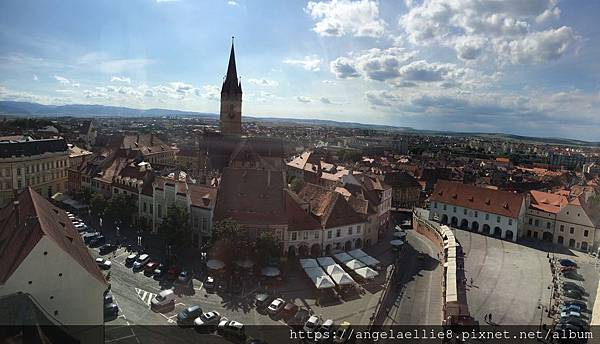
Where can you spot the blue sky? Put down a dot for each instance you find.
(524, 67)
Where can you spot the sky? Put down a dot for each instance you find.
(521, 67)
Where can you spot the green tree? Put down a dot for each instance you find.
(296, 184)
(228, 242)
(85, 195)
(267, 247)
(121, 208)
(98, 204)
(175, 228)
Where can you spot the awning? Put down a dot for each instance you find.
(270, 271)
(342, 257)
(325, 261)
(368, 260)
(342, 279)
(215, 264)
(357, 253)
(354, 264)
(366, 272)
(334, 269)
(308, 263)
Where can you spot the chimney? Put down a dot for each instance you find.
(17, 211)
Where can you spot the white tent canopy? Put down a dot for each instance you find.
(215, 264)
(342, 279)
(270, 271)
(368, 260)
(400, 235)
(325, 261)
(342, 257)
(366, 272)
(308, 263)
(354, 264)
(334, 269)
(357, 253)
(319, 278)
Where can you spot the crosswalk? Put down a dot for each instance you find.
(145, 296)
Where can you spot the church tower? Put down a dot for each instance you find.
(231, 100)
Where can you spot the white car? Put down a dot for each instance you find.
(103, 263)
(312, 323)
(327, 325)
(164, 298)
(276, 306)
(208, 319)
(232, 328)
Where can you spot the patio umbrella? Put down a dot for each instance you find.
(270, 271)
(215, 264)
(246, 263)
(366, 272)
(397, 242)
(325, 261)
(399, 235)
(308, 263)
(354, 264)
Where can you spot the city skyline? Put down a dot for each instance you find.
(464, 66)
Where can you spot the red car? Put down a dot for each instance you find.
(173, 272)
(149, 268)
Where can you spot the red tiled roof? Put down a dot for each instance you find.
(38, 218)
(298, 218)
(330, 207)
(203, 196)
(502, 203)
(544, 201)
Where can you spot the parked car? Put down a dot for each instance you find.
(131, 258)
(575, 308)
(577, 303)
(564, 269)
(103, 263)
(575, 321)
(574, 294)
(80, 227)
(108, 298)
(567, 262)
(208, 319)
(163, 299)
(184, 278)
(299, 319)
(160, 271)
(276, 306)
(209, 285)
(573, 286)
(107, 248)
(187, 316)
(328, 325)
(342, 333)
(231, 328)
(312, 323)
(570, 313)
(150, 266)
(141, 261)
(97, 241)
(262, 300)
(111, 310)
(289, 310)
(87, 237)
(571, 274)
(173, 272)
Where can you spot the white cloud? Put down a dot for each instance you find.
(325, 100)
(344, 17)
(263, 82)
(310, 63)
(62, 80)
(35, 77)
(121, 79)
(303, 99)
(232, 3)
(344, 68)
(106, 64)
(328, 82)
(210, 92)
(475, 28)
(376, 64)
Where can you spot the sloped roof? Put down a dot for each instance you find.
(33, 147)
(298, 219)
(330, 207)
(38, 218)
(502, 203)
(547, 202)
(203, 196)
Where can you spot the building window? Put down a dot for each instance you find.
(316, 234)
(358, 229)
(548, 225)
(144, 207)
(350, 231)
(465, 211)
(338, 233)
(158, 209)
(530, 221)
(305, 235)
(18, 171)
(537, 222)
(510, 222)
(454, 209)
(585, 233)
(571, 230)
(487, 217)
(329, 234)
(562, 228)
(294, 236)
(476, 213)
(151, 208)
(498, 219)
(444, 207)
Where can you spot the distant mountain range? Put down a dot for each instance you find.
(15, 108)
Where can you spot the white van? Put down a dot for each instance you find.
(141, 261)
(164, 298)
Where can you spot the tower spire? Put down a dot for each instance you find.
(231, 68)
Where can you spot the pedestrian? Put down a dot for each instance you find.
(471, 280)
(490, 317)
